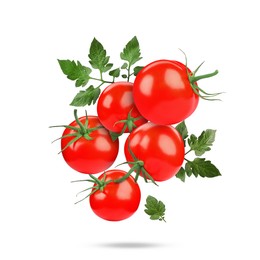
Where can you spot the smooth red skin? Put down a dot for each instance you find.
(90, 156)
(114, 104)
(117, 201)
(160, 147)
(163, 94)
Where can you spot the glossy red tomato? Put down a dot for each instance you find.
(92, 152)
(117, 201)
(163, 93)
(116, 103)
(160, 147)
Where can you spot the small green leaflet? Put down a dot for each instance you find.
(86, 97)
(202, 144)
(181, 174)
(154, 208)
(131, 53)
(137, 69)
(75, 71)
(182, 129)
(98, 58)
(115, 73)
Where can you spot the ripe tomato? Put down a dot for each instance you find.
(92, 152)
(163, 94)
(159, 147)
(116, 103)
(117, 201)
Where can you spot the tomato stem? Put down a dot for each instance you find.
(128, 72)
(103, 81)
(188, 151)
(194, 78)
(138, 167)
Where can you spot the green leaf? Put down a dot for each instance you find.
(86, 97)
(98, 58)
(124, 66)
(75, 71)
(204, 168)
(137, 70)
(192, 140)
(181, 174)
(154, 208)
(115, 73)
(124, 76)
(202, 144)
(131, 53)
(188, 169)
(182, 129)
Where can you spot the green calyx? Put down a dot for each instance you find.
(193, 78)
(129, 123)
(100, 185)
(81, 131)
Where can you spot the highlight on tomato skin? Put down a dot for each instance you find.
(117, 201)
(89, 156)
(159, 147)
(163, 93)
(116, 109)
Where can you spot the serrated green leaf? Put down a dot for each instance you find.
(137, 69)
(154, 208)
(181, 174)
(67, 66)
(115, 73)
(203, 142)
(75, 71)
(204, 168)
(86, 97)
(182, 129)
(131, 52)
(98, 58)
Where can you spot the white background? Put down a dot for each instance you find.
(206, 218)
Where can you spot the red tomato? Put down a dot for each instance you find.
(163, 93)
(89, 156)
(114, 104)
(160, 147)
(117, 201)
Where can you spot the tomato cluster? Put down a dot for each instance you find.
(163, 93)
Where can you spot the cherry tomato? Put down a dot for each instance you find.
(117, 201)
(159, 147)
(115, 104)
(163, 93)
(92, 152)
